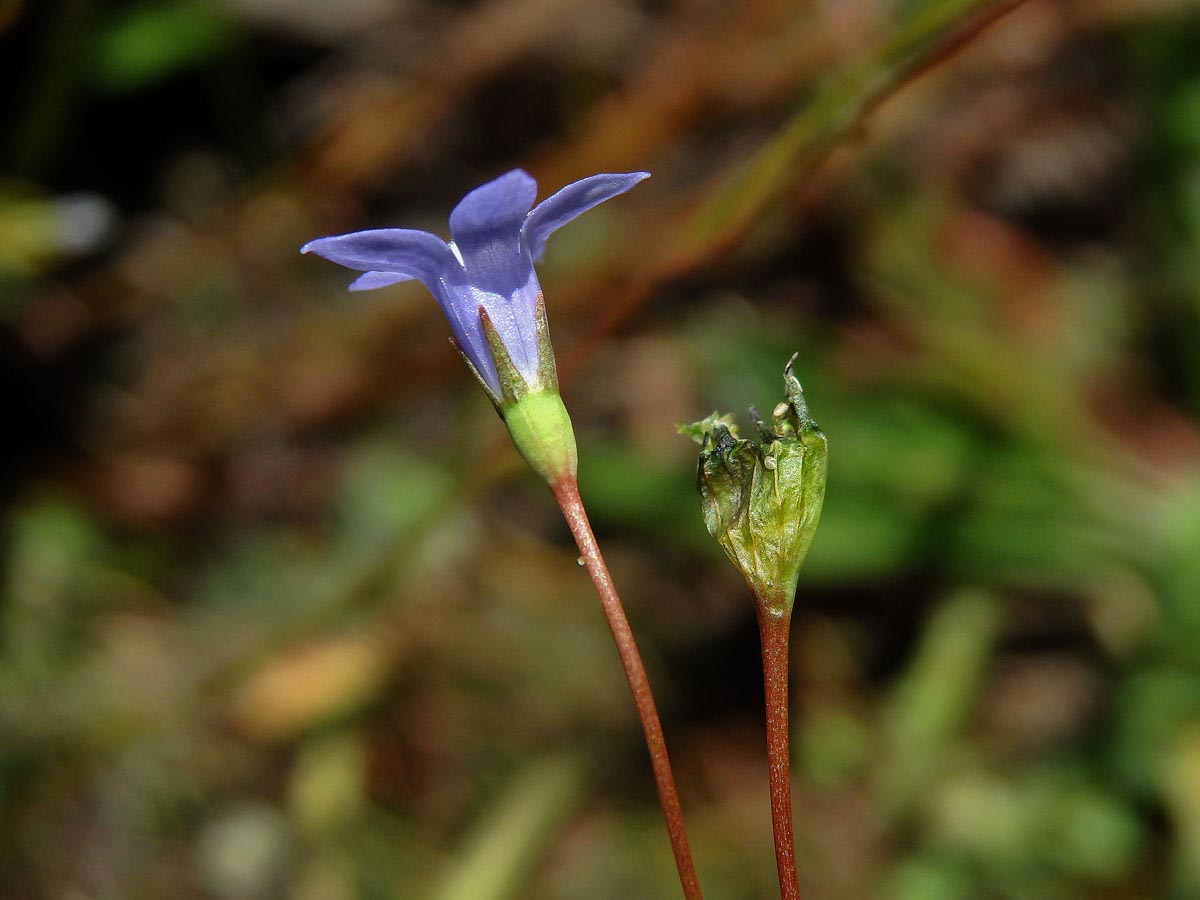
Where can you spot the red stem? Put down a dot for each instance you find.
(774, 631)
(566, 492)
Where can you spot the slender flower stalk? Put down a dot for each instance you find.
(566, 493)
(762, 502)
(484, 280)
(774, 632)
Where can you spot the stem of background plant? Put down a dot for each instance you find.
(774, 631)
(566, 492)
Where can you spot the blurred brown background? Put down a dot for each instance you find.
(284, 617)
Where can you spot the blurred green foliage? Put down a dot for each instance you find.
(153, 41)
(282, 615)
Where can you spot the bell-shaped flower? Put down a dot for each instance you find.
(484, 273)
(483, 279)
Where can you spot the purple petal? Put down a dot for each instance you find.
(401, 251)
(495, 207)
(391, 255)
(573, 200)
(486, 228)
(373, 280)
(514, 317)
(461, 307)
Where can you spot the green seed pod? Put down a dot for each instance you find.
(762, 498)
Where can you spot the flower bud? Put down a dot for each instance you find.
(762, 497)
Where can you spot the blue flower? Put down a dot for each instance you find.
(483, 278)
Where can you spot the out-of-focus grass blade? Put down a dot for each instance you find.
(836, 107)
(511, 836)
(933, 698)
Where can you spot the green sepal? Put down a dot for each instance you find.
(513, 385)
(762, 498)
(547, 368)
(487, 388)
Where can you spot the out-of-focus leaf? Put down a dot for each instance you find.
(934, 696)
(55, 576)
(1092, 835)
(904, 453)
(930, 877)
(391, 490)
(310, 686)
(1153, 706)
(327, 789)
(26, 234)
(152, 41)
(859, 539)
(1181, 785)
(833, 746)
(514, 833)
(36, 231)
(624, 487)
(1180, 572)
(1043, 825)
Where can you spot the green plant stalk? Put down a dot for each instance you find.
(774, 628)
(566, 493)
